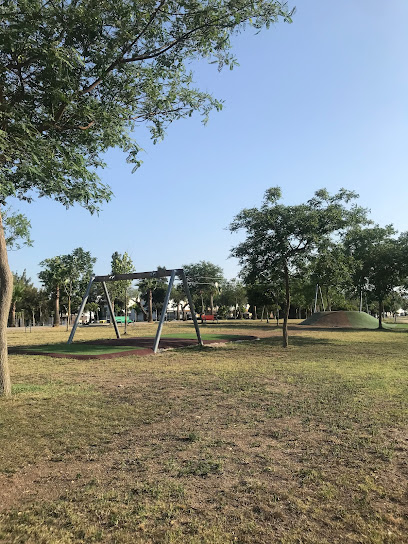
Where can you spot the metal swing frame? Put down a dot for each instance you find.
(139, 276)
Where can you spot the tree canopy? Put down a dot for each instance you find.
(205, 280)
(381, 261)
(77, 77)
(17, 229)
(153, 291)
(66, 276)
(279, 238)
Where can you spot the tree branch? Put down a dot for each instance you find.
(124, 51)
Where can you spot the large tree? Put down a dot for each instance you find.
(280, 238)
(118, 290)
(78, 267)
(381, 261)
(233, 294)
(20, 286)
(332, 270)
(77, 77)
(53, 277)
(153, 291)
(14, 232)
(205, 280)
(65, 278)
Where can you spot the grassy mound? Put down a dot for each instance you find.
(342, 319)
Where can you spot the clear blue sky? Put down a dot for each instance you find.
(319, 103)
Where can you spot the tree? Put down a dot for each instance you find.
(332, 270)
(280, 238)
(147, 288)
(178, 296)
(34, 302)
(53, 277)
(264, 292)
(16, 229)
(233, 294)
(204, 279)
(381, 261)
(118, 290)
(66, 276)
(20, 284)
(78, 267)
(77, 77)
(92, 307)
(159, 293)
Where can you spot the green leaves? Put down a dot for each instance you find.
(17, 229)
(120, 264)
(78, 77)
(380, 259)
(69, 272)
(282, 240)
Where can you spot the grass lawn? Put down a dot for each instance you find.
(239, 443)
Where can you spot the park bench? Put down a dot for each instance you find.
(208, 317)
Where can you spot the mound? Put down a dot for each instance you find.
(342, 320)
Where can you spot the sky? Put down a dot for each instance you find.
(321, 102)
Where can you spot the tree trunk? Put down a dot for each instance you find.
(125, 331)
(328, 297)
(13, 315)
(178, 312)
(212, 303)
(287, 306)
(145, 316)
(57, 308)
(69, 312)
(381, 308)
(6, 293)
(150, 308)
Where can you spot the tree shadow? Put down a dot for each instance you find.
(295, 341)
(228, 325)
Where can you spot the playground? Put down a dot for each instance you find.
(108, 348)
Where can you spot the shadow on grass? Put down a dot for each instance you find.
(273, 341)
(239, 325)
(212, 348)
(294, 341)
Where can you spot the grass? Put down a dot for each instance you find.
(245, 443)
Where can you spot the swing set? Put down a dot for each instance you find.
(139, 276)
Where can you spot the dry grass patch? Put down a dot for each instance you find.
(246, 443)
